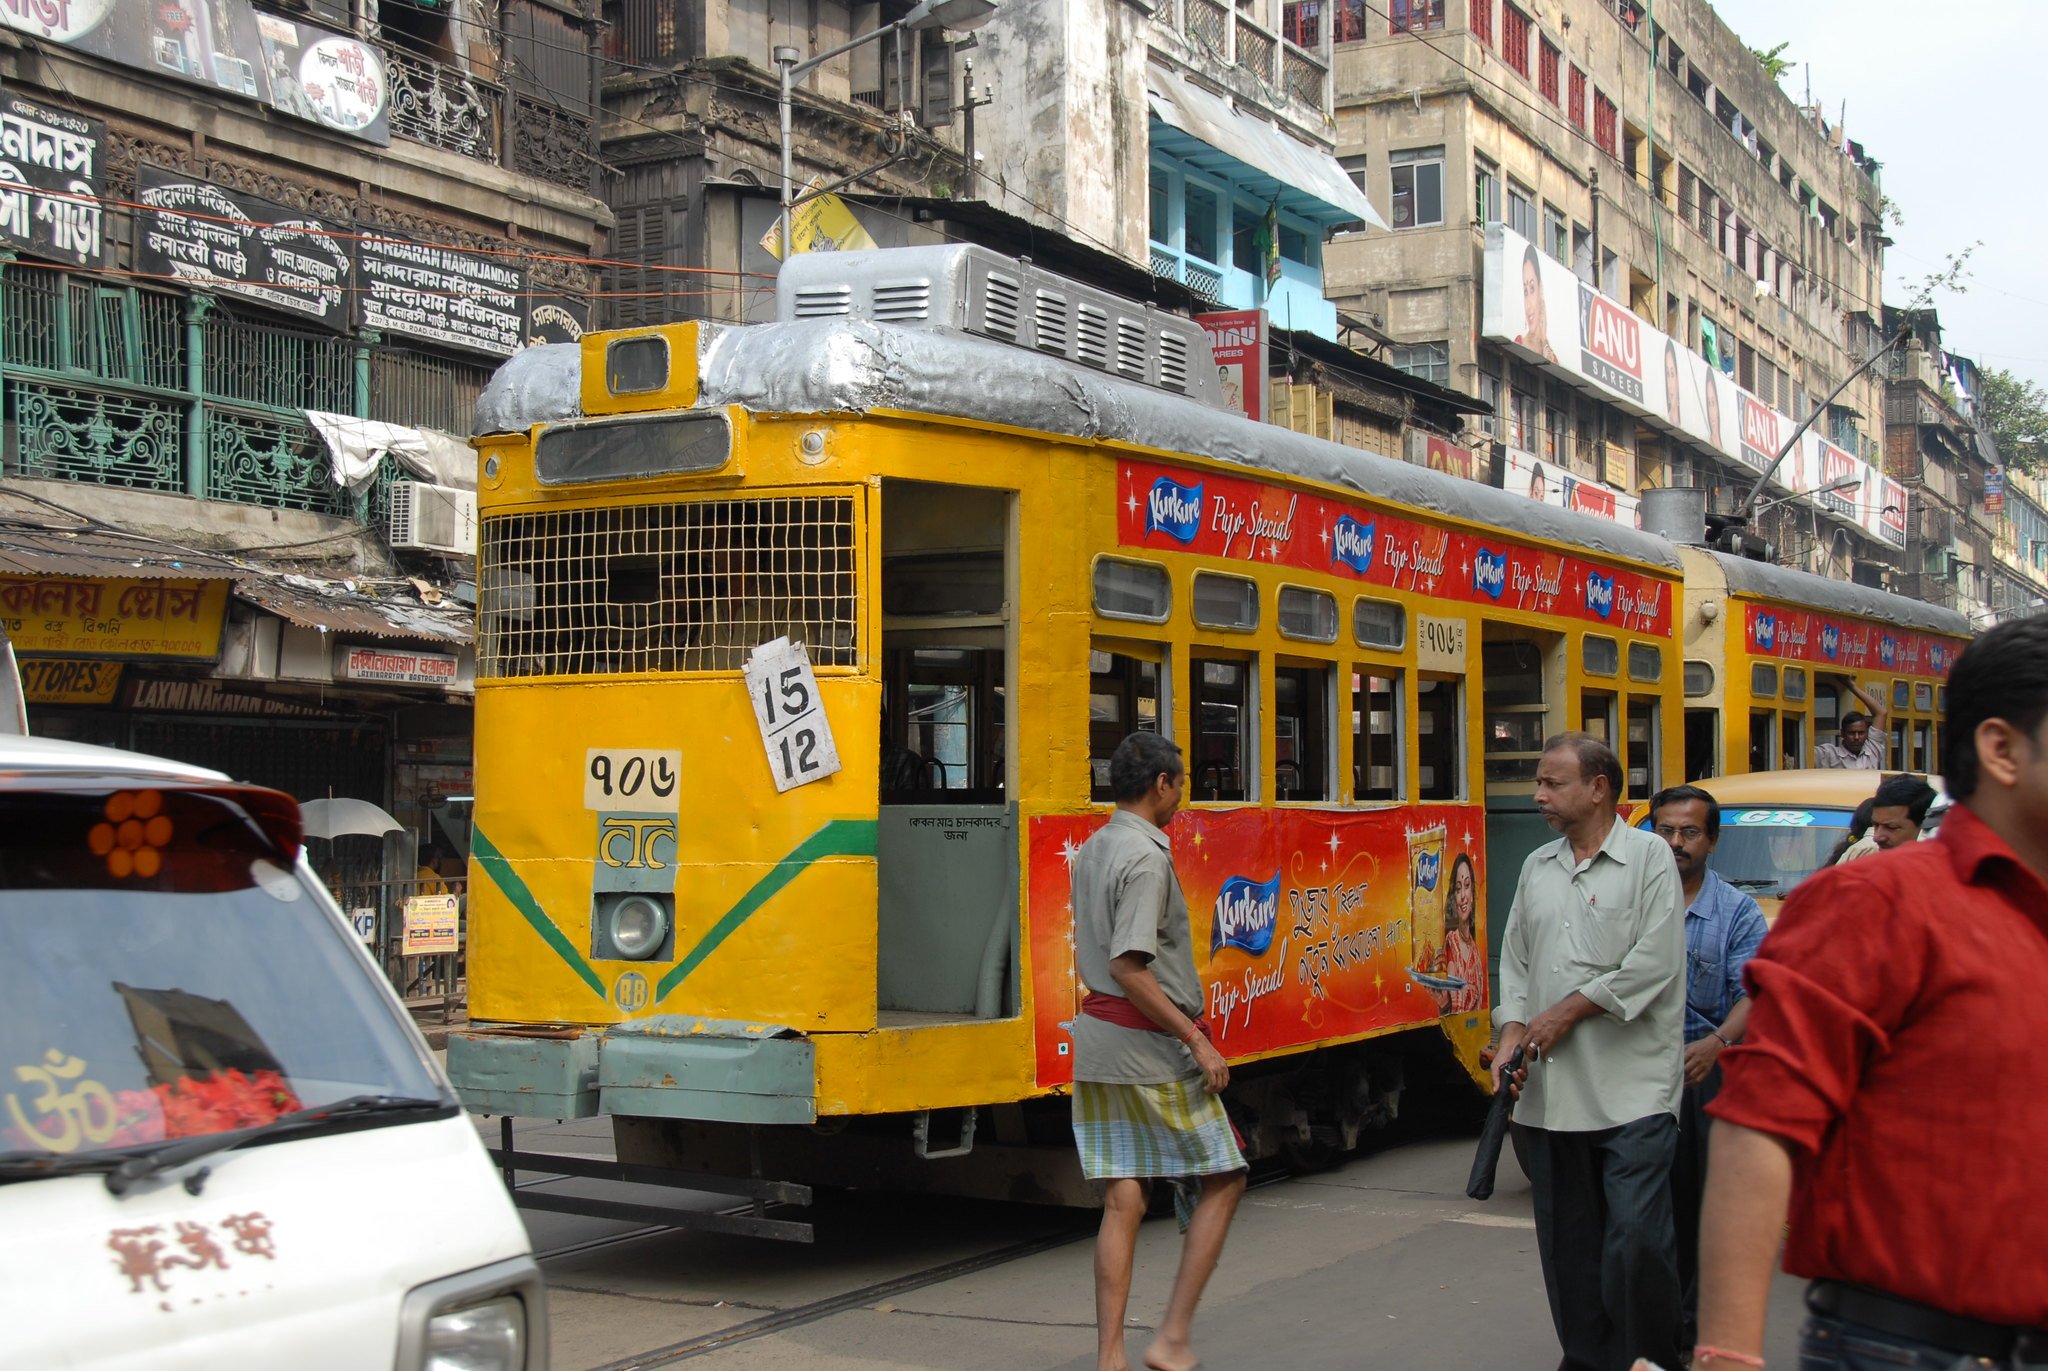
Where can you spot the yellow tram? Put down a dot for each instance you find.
(802, 649)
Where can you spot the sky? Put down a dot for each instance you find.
(1949, 98)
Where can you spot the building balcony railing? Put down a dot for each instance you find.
(1256, 49)
(1207, 25)
(1306, 76)
(1203, 279)
(443, 107)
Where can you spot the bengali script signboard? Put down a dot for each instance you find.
(1833, 640)
(1179, 510)
(1308, 925)
(50, 183)
(441, 295)
(80, 616)
(215, 239)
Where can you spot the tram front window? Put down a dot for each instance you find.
(1222, 715)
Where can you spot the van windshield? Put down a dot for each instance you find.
(165, 974)
(1766, 850)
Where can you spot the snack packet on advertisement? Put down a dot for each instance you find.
(1426, 896)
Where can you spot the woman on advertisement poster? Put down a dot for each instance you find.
(1671, 383)
(1462, 960)
(1535, 318)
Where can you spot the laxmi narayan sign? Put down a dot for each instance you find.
(441, 295)
(50, 184)
(215, 239)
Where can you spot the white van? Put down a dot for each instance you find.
(223, 1144)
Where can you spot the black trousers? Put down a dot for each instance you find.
(1688, 1189)
(1603, 1229)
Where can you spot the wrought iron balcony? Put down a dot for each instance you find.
(442, 107)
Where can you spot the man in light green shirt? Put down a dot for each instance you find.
(1592, 989)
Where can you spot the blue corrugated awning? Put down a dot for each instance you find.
(1207, 132)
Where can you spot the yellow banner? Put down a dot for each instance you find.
(821, 223)
(94, 616)
(433, 925)
(56, 681)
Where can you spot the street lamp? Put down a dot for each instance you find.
(925, 14)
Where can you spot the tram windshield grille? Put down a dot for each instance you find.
(664, 588)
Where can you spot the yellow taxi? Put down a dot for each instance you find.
(1779, 827)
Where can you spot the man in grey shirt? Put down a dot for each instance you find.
(1147, 1081)
(1592, 989)
(1862, 735)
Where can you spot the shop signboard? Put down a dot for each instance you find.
(102, 617)
(1446, 456)
(68, 681)
(398, 666)
(219, 240)
(1238, 339)
(300, 69)
(50, 182)
(203, 695)
(433, 925)
(1307, 925)
(441, 295)
(556, 319)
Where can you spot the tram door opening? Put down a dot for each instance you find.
(946, 838)
(1522, 702)
(1702, 723)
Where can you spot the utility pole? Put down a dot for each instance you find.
(968, 105)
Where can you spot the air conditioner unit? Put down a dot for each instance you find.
(430, 518)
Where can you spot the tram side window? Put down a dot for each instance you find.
(1221, 711)
(1793, 738)
(1516, 719)
(1439, 725)
(1376, 736)
(1643, 764)
(1922, 754)
(1123, 698)
(1301, 733)
(1596, 714)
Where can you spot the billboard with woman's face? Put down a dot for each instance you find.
(1536, 308)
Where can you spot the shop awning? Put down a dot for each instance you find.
(327, 605)
(1208, 132)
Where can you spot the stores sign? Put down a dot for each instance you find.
(404, 668)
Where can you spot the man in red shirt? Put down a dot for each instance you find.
(1889, 1079)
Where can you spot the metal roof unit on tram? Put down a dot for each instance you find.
(852, 366)
(1749, 577)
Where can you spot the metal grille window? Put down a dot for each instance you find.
(1380, 623)
(665, 588)
(1699, 680)
(1226, 601)
(1763, 681)
(1795, 683)
(1132, 590)
(1646, 662)
(1600, 656)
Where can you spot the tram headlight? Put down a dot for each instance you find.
(636, 926)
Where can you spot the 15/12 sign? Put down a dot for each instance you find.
(794, 733)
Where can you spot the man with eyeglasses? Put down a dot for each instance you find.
(1723, 927)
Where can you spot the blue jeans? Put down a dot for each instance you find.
(1827, 1343)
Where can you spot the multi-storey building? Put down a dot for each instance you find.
(1701, 256)
(1181, 151)
(243, 253)
(1977, 540)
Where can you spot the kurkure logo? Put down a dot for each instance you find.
(1766, 631)
(1888, 649)
(1428, 865)
(1247, 912)
(1352, 543)
(1599, 593)
(1175, 510)
(1490, 571)
(1830, 641)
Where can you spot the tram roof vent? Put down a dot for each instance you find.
(967, 287)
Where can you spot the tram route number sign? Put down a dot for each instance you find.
(640, 779)
(794, 731)
(1439, 644)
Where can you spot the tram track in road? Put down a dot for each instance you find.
(798, 1315)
